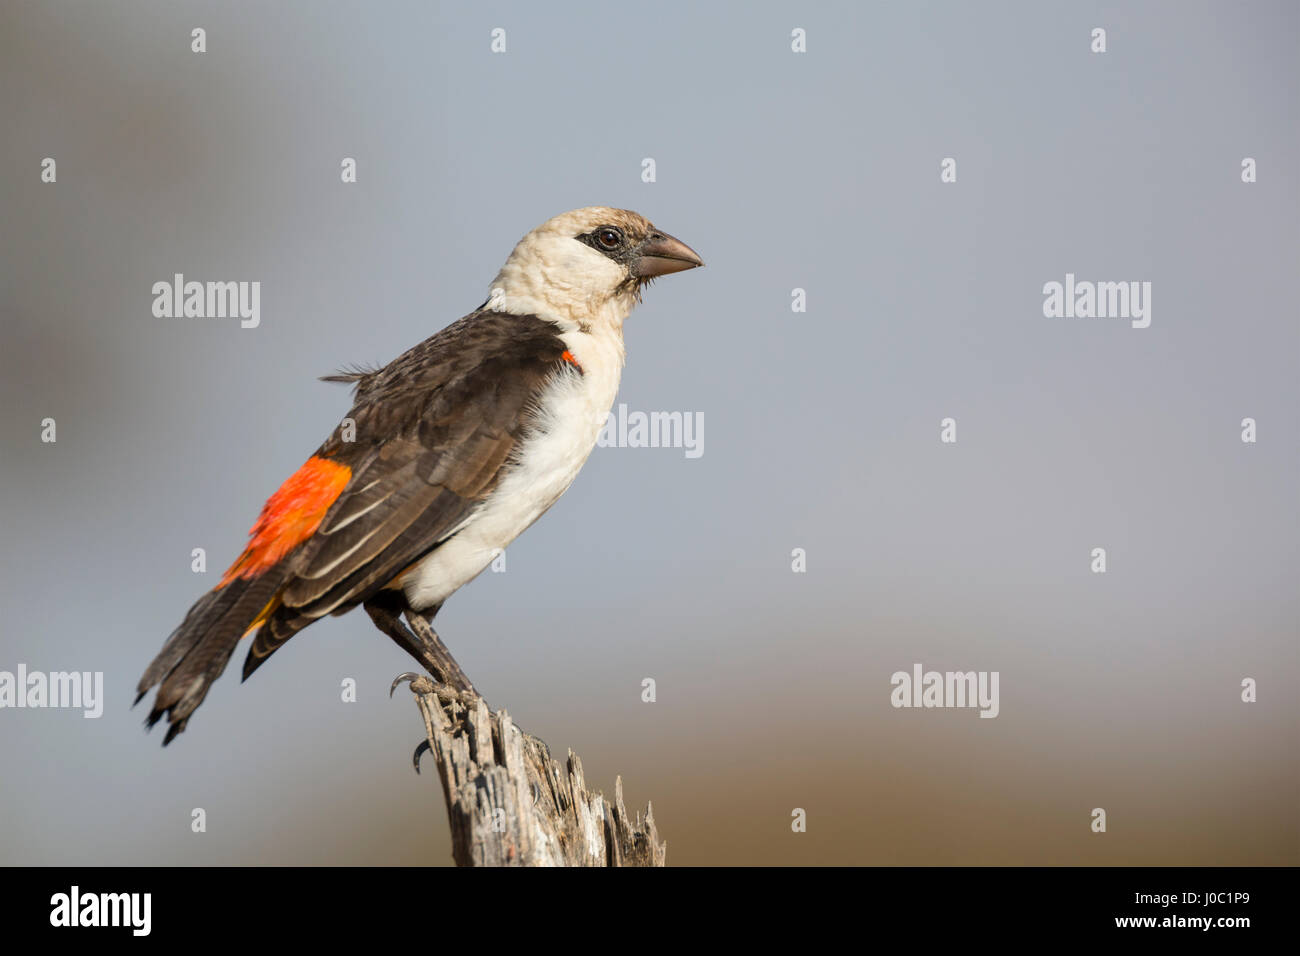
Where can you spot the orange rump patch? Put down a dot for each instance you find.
(290, 516)
(571, 359)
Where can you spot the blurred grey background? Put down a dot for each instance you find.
(817, 170)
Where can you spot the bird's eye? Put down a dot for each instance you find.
(609, 237)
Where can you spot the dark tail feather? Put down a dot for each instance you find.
(198, 651)
(271, 637)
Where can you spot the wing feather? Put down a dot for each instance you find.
(440, 428)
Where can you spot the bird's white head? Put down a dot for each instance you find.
(587, 267)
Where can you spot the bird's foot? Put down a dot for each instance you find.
(452, 704)
(422, 684)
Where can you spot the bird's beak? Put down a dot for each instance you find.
(662, 255)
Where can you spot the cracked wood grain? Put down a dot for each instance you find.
(510, 803)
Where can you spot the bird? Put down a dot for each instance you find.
(447, 454)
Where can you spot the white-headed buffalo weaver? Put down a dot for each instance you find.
(458, 446)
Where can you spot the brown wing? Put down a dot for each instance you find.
(434, 433)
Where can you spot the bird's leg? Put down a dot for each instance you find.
(421, 626)
(419, 640)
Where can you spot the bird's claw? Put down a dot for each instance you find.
(424, 747)
(408, 676)
(420, 748)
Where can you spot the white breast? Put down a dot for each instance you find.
(572, 411)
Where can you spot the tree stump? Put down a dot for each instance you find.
(509, 802)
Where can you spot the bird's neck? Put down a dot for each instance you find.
(568, 306)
